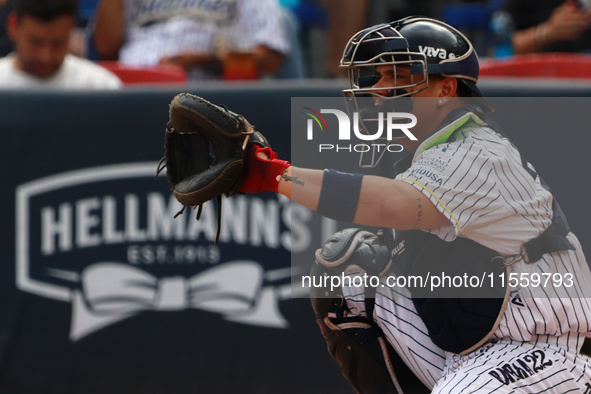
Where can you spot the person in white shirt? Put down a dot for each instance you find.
(206, 38)
(41, 30)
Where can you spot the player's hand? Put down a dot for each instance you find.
(567, 22)
(263, 170)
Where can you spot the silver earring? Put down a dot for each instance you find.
(441, 101)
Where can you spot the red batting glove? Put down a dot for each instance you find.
(262, 174)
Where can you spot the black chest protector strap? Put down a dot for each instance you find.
(553, 239)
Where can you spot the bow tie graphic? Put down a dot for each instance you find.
(111, 292)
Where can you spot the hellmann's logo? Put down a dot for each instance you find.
(105, 240)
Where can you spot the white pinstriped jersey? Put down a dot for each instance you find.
(162, 28)
(477, 180)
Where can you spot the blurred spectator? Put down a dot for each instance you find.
(41, 31)
(345, 18)
(241, 39)
(6, 45)
(550, 26)
(294, 65)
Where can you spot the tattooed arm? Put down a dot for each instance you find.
(383, 202)
(301, 185)
(386, 202)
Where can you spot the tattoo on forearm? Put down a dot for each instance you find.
(292, 179)
(419, 213)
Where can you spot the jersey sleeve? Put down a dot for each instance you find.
(461, 180)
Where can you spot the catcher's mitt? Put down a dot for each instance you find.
(205, 151)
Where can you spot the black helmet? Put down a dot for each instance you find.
(427, 45)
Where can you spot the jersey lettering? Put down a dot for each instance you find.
(522, 368)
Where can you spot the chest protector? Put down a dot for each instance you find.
(458, 318)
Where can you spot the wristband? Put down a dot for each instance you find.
(339, 195)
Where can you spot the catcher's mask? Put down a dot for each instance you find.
(426, 45)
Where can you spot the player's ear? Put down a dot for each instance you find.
(449, 87)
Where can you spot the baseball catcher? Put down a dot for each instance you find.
(464, 198)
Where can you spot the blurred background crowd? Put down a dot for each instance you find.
(85, 43)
